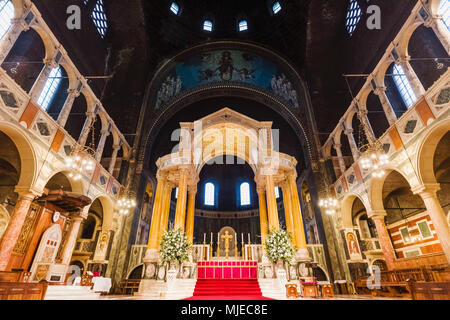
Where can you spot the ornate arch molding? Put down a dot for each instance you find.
(157, 113)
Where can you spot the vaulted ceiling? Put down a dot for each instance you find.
(142, 34)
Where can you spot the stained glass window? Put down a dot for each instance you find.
(403, 86)
(6, 14)
(209, 194)
(354, 14)
(444, 11)
(50, 88)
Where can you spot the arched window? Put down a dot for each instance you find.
(175, 8)
(50, 87)
(277, 192)
(209, 194)
(403, 85)
(6, 14)
(243, 25)
(208, 25)
(176, 193)
(276, 7)
(99, 17)
(444, 11)
(245, 194)
(354, 14)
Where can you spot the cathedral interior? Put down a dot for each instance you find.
(164, 149)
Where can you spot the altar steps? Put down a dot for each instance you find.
(160, 290)
(70, 293)
(227, 289)
(271, 288)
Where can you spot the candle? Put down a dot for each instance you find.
(218, 239)
(235, 237)
(211, 237)
(204, 237)
(242, 235)
(249, 238)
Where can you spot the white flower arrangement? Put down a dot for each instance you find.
(174, 247)
(279, 246)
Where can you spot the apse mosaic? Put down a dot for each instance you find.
(225, 66)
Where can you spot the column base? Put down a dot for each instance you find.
(302, 255)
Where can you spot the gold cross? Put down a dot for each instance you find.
(227, 238)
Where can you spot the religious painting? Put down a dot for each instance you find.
(354, 250)
(102, 246)
(225, 66)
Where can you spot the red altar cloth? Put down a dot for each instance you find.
(227, 270)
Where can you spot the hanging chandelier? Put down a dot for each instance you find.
(125, 205)
(374, 160)
(80, 161)
(329, 205)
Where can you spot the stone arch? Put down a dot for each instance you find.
(28, 155)
(49, 44)
(4, 219)
(376, 188)
(61, 178)
(136, 272)
(77, 117)
(426, 150)
(108, 212)
(347, 209)
(18, 8)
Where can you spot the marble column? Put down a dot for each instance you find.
(263, 214)
(71, 240)
(101, 144)
(387, 107)
(383, 237)
(112, 162)
(65, 111)
(272, 208)
(412, 77)
(90, 116)
(440, 30)
(165, 210)
(39, 84)
(191, 213)
(337, 147)
(370, 135)
(153, 245)
(353, 146)
(437, 214)
(180, 213)
(287, 201)
(299, 229)
(8, 41)
(12, 232)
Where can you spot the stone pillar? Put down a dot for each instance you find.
(441, 31)
(191, 213)
(153, 245)
(86, 128)
(353, 146)
(8, 41)
(262, 214)
(38, 86)
(412, 77)
(437, 214)
(71, 240)
(272, 209)
(12, 232)
(383, 237)
(65, 111)
(370, 135)
(165, 210)
(112, 162)
(299, 230)
(387, 107)
(337, 147)
(287, 201)
(180, 213)
(101, 144)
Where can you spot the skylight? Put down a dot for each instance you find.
(50, 88)
(174, 8)
(276, 7)
(208, 25)
(99, 17)
(243, 25)
(354, 14)
(6, 14)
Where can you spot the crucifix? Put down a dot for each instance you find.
(227, 238)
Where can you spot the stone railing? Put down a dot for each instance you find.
(85, 246)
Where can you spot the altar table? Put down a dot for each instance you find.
(101, 284)
(227, 269)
